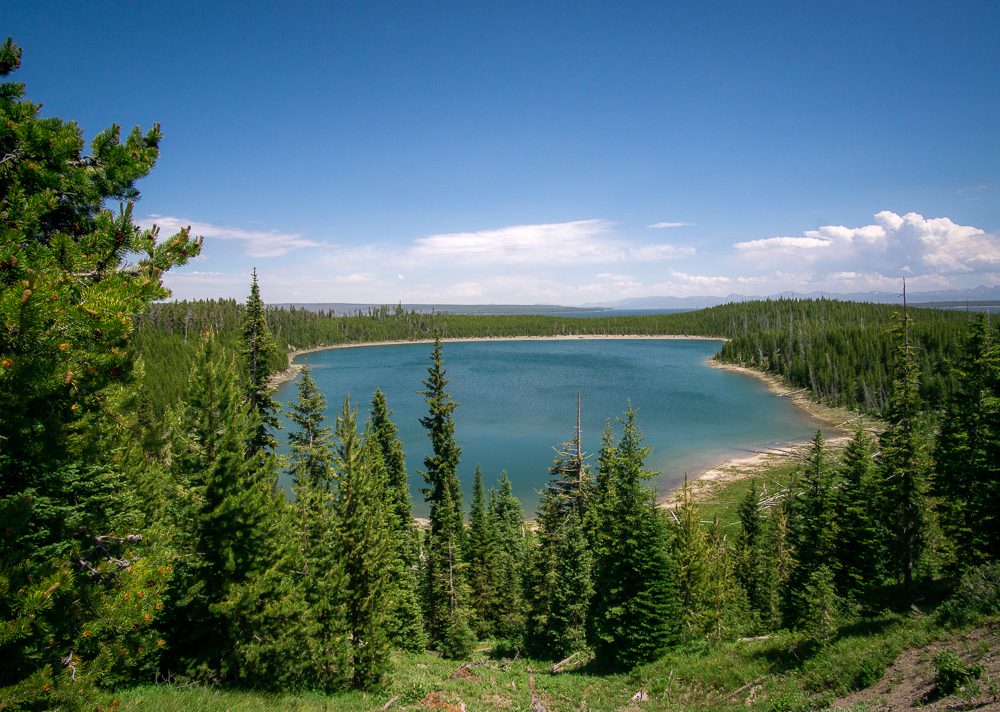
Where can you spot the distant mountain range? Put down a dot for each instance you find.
(945, 298)
(954, 296)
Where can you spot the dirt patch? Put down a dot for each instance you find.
(910, 682)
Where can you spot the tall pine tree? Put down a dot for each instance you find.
(634, 612)
(258, 350)
(366, 550)
(447, 599)
(905, 464)
(406, 620)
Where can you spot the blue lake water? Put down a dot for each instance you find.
(517, 401)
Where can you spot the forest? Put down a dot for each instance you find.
(147, 542)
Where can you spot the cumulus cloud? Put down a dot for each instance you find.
(256, 243)
(892, 244)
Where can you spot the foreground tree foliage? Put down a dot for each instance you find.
(635, 609)
(74, 276)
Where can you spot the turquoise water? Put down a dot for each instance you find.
(517, 401)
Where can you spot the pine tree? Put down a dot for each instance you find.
(258, 349)
(74, 277)
(753, 558)
(447, 611)
(509, 549)
(559, 579)
(634, 611)
(860, 546)
(905, 466)
(365, 545)
(229, 516)
(480, 554)
(727, 602)
(967, 452)
(406, 621)
(693, 559)
(386, 435)
(318, 564)
(812, 523)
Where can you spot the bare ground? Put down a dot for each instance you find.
(909, 683)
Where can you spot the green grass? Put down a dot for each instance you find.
(781, 673)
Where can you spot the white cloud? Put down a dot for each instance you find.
(667, 225)
(783, 243)
(889, 246)
(256, 243)
(575, 242)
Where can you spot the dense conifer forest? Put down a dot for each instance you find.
(146, 540)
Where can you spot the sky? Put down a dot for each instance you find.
(546, 152)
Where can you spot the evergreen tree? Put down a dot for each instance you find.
(258, 350)
(905, 466)
(386, 435)
(727, 602)
(820, 606)
(366, 550)
(229, 517)
(754, 559)
(406, 622)
(318, 564)
(860, 544)
(812, 523)
(509, 550)
(693, 559)
(447, 607)
(481, 550)
(310, 443)
(967, 452)
(559, 580)
(74, 277)
(634, 610)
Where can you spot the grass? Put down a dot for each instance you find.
(781, 673)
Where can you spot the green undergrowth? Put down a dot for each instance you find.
(781, 672)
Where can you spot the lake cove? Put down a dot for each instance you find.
(517, 401)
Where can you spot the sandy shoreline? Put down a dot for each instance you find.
(703, 483)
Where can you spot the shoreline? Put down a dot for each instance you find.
(738, 468)
(703, 483)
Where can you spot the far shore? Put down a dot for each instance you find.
(702, 483)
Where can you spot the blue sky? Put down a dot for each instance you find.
(556, 152)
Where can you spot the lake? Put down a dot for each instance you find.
(517, 401)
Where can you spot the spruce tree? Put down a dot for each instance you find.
(509, 552)
(318, 564)
(258, 350)
(480, 555)
(967, 452)
(860, 545)
(559, 578)
(446, 606)
(727, 602)
(693, 559)
(386, 435)
(634, 612)
(905, 465)
(229, 515)
(366, 549)
(753, 567)
(812, 523)
(406, 622)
